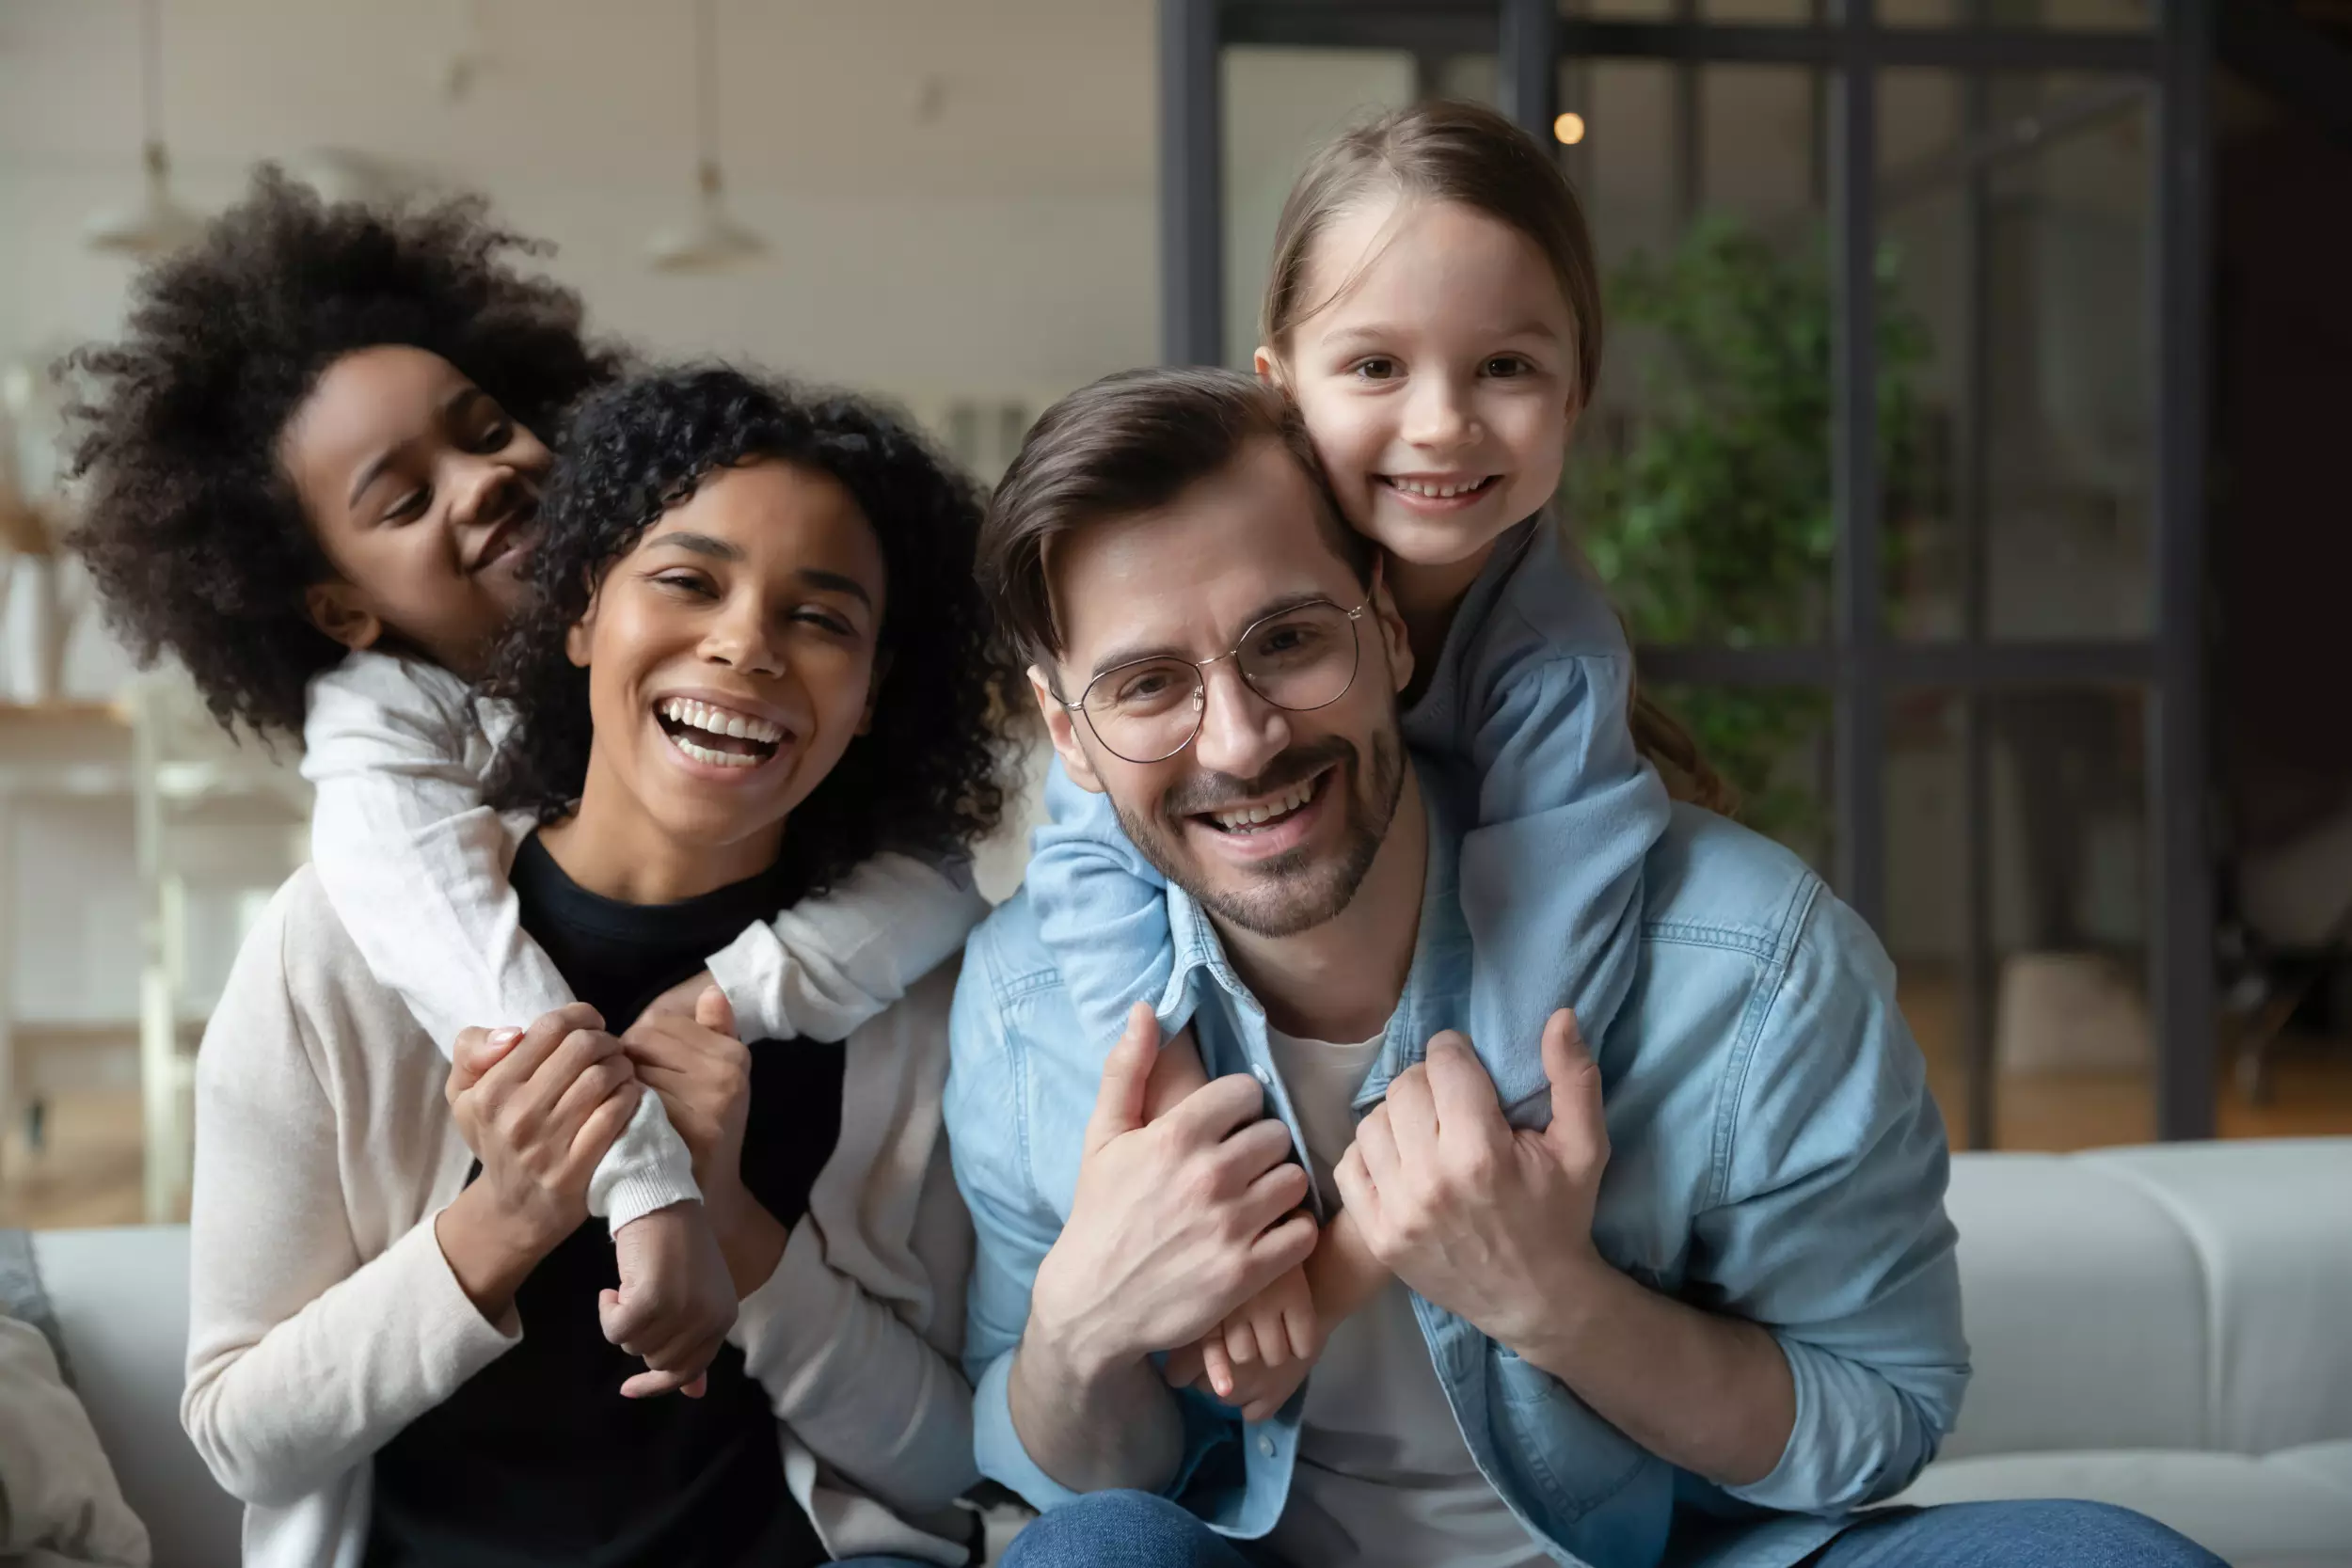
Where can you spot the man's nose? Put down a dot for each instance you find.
(1240, 731)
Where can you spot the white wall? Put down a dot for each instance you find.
(959, 194)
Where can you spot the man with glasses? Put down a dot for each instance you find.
(1750, 1329)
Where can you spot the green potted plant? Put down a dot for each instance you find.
(1708, 516)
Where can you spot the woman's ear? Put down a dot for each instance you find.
(1393, 636)
(1063, 728)
(583, 634)
(340, 610)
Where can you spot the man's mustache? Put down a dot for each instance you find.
(1206, 792)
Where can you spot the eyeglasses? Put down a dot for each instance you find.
(1298, 660)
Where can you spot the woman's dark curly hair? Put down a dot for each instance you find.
(191, 527)
(925, 778)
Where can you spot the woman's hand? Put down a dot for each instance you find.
(703, 1076)
(539, 1107)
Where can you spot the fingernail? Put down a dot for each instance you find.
(503, 1038)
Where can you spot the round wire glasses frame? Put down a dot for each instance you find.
(1145, 710)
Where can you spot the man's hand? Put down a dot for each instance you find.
(1174, 1224)
(1491, 1222)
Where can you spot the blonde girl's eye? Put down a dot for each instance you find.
(1376, 367)
(1505, 366)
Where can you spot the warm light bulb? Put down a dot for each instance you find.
(1569, 129)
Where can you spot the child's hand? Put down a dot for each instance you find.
(675, 1303)
(1258, 1357)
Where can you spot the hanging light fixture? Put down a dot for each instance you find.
(157, 223)
(713, 242)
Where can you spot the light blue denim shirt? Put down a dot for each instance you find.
(1774, 1155)
(1526, 712)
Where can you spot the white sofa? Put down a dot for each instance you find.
(2168, 1328)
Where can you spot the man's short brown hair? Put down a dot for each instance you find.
(1126, 444)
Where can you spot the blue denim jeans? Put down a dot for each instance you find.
(1133, 1529)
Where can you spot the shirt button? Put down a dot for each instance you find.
(1264, 1077)
(1266, 1445)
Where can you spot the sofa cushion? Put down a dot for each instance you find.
(121, 1297)
(2271, 1223)
(2085, 1309)
(2288, 1509)
(23, 1298)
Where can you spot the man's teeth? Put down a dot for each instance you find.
(1437, 492)
(701, 716)
(1289, 800)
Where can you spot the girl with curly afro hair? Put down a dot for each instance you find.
(312, 477)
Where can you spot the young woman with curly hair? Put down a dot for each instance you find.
(755, 653)
(313, 478)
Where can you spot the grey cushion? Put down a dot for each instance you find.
(23, 1298)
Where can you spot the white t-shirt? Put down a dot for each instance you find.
(1384, 1478)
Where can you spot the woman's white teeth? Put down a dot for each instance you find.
(716, 721)
(1281, 805)
(723, 759)
(1436, 492)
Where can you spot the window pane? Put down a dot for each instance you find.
(1771, 745)
(1700, 480)
(2064, 1005)
(2054, 289)
(1280, 105)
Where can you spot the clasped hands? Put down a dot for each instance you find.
(1186, 1233)
(540, 1106)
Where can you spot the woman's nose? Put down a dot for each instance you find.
(1240, 731)
(742, 638)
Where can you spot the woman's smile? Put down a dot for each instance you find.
(725, 735)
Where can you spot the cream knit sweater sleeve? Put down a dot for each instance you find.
(321, 1319)
(856, 1334)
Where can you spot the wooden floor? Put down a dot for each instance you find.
(87, 1171)
(2309, 1093)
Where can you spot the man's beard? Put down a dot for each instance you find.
(1292, 892)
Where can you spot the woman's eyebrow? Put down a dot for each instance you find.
(815, 578)
(698, 544)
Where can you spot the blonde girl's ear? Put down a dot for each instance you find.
(1269, 369)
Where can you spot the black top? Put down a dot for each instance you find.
(537, 1461)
